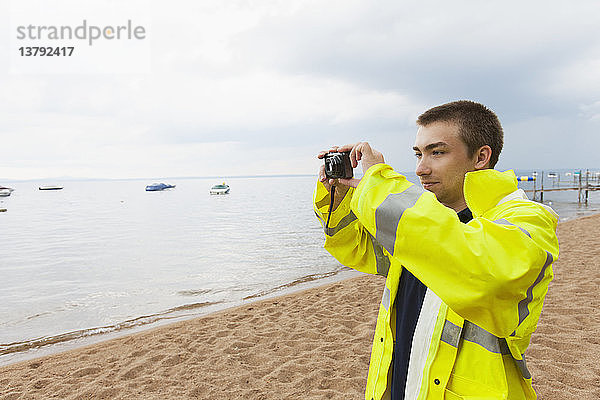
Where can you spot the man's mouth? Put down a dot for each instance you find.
(428, 185)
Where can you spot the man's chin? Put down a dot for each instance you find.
(436, 190)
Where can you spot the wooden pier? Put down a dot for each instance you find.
(583, 183)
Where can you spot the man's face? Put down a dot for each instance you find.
(442, 162)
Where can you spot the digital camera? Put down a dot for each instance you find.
(338, 165)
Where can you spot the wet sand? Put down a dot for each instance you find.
(313, 344)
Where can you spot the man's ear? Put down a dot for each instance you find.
(483, 157)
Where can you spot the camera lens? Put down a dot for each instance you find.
(334, 167)
(338, 165)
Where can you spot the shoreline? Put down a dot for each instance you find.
(343, 273)
(250, 337)
(59, 347)
(66, 345)
(313, 343)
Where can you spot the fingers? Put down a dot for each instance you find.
(354, 157)
(333, 149)
(328, 183)
(322, 176)
(346, 147)
(338, 149)
(361, 151)
(357, 152)
(352, 182)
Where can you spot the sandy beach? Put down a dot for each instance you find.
(313, 344)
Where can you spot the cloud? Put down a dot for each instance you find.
(591, 111)
(550, 142)
(578, 80)
(433, 51)
(269, 84)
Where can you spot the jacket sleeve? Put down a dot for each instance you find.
(346, 238)
(492, 273)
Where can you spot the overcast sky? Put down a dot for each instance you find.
(259, 87)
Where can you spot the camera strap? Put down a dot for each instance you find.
(330, 206)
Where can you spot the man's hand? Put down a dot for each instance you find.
(342, 184)
(363, 152)
(340, 188)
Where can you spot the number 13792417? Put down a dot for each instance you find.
(46, 51)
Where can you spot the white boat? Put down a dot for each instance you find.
(220, 189)
(5, 191)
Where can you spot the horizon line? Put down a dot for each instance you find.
(72, 178)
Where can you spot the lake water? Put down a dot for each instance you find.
(102, 258)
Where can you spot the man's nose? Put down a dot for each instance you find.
(422, 168)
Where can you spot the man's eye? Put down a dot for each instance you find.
(437, 152)
(418, 155)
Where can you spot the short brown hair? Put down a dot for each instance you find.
(477, 125)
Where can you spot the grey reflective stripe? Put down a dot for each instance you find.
(475, 334)
(383, 262)
(385, 300)
(523, 304)
(318, 216)
(388, 214)
(320, 219)
(523, 367)
(347, 220)
(323, 202)
(451, 334)
(505, 222)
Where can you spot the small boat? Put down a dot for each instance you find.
(5, 191)
(220, 189)
(50, 187)
(155, 187)
(552, 175)
(526, 178)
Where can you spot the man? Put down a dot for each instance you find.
(467, 260)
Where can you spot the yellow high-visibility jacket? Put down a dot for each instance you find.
(486, 280)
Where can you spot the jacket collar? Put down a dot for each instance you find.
(486, 188)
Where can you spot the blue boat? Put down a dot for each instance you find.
(158, 186)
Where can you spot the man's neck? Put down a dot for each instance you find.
(458, 206)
